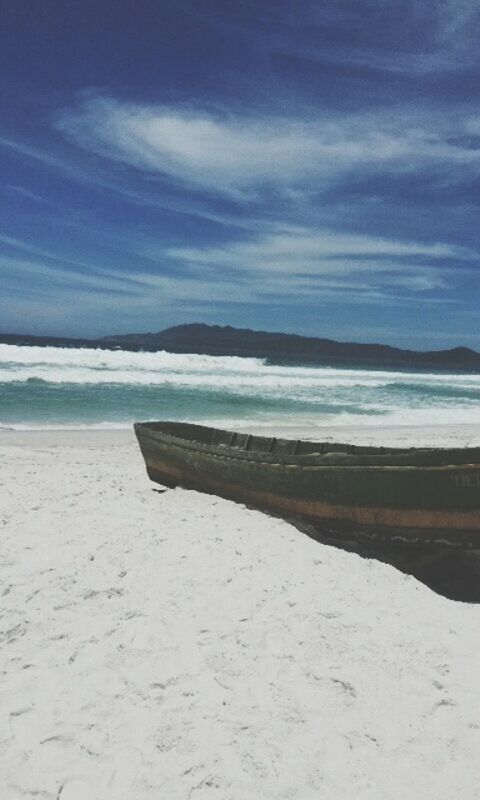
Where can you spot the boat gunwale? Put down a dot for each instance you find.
(380, 458)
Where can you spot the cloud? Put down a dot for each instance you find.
(302, 259)
(26, 193)
(143, 287)
(222, 154)
(303, 250)
(243, 155)
(294, 266)
(413, 38)
(303, 264)
(48, 277)
(138, 193)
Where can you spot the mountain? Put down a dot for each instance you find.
(286, 347)
(276, 347)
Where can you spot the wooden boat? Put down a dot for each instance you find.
(416, 494)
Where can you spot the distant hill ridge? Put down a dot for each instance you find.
(277, 347)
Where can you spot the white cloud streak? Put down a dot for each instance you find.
(240, 156)
(301, 261)
(300, 250)
(297, 265)
(448, 44)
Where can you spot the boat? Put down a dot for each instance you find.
(419, 495)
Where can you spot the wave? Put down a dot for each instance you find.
(91, 358)
(90, 366)
(50, 387)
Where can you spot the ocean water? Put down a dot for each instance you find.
(65, 387)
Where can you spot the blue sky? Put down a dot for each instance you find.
(312, 167)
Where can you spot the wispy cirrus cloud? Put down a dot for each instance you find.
(295, 266)
(296, 157)
(308, 250)
(412, 38)
(141, 194)
(301, 261)
(239, 155)
(39, 274)
(47, 275)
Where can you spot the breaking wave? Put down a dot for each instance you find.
(50, 386)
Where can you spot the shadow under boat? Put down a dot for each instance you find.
(453, 572)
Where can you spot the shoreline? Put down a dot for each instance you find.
(457, 435)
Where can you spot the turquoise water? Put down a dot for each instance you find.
(63, 387)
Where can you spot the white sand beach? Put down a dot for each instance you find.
(172, 645)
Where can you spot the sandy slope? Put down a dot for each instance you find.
(180, 646)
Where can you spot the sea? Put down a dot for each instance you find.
(55, 387)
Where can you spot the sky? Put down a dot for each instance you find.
(309, 167)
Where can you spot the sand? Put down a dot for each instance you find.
(175, 645)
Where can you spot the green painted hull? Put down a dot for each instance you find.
(432, 495)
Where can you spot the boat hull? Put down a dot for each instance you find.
(349, 493)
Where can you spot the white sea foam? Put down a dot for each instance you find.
(119, 360)
(112, 388)
(91, 366)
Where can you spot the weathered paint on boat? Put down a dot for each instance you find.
(427, 494)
